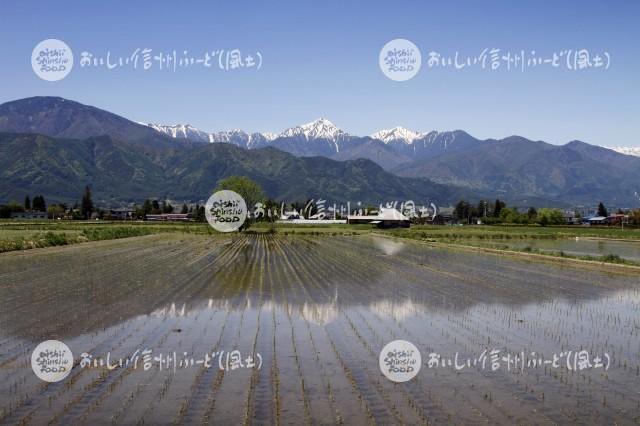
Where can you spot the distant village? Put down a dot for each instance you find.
(463, 213)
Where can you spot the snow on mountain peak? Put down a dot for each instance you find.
(318, 129)
(269, 135)
(180, 131)
(397, 134)
(627, 150)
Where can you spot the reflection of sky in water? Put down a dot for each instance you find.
(315, 275)
(583, 247)
(388, 246)
(319, 299)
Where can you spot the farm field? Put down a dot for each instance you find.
(625, 249)
(22, 235)
(318, 309)
(502, 232)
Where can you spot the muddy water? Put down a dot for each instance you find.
(317, 310)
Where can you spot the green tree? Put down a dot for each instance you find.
(602, 211)
(497, 207)
(185, 209)
(87, 203)
(166, 207)
(55, 211)
(27, 203)
(38, 204)
(550, 217)
(462, 211)
(147, 207)
(511, 215)
(248, 189)
(200, 215)
(532, 213)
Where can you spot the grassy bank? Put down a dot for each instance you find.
(479, 238)
(29, 235)
(27, 239)
(506, 232)
(24, 235)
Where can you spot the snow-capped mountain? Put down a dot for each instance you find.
(319, 137)
(322, 137)
(181, 131)
(533, 171)
(242, 138)
(397, 134)
(318, 129)
(627, 150)
(236, 136)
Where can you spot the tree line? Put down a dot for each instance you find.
(498, 212)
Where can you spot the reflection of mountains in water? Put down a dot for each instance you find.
(322, 314)
(85, 290)
(316, 313)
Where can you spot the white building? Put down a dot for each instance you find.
(386, 218)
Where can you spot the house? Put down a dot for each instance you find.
(570, 217)
(445, 215)
(617, 219)
(31, 215)
(386, 218)
(597, 220)
(120, 214)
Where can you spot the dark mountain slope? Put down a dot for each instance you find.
(62, 118)
(120, 172)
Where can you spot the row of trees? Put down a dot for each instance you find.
(250, 191)
(84, 210)
(498, 212)
(37, 205)
(465, 212)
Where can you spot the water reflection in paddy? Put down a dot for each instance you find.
(318, 310)
(629, 250)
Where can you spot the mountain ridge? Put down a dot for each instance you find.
(120, 172)
(513, 167)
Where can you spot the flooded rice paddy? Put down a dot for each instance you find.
(629, 250)
(318, 310)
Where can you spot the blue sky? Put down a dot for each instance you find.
(320, 59)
